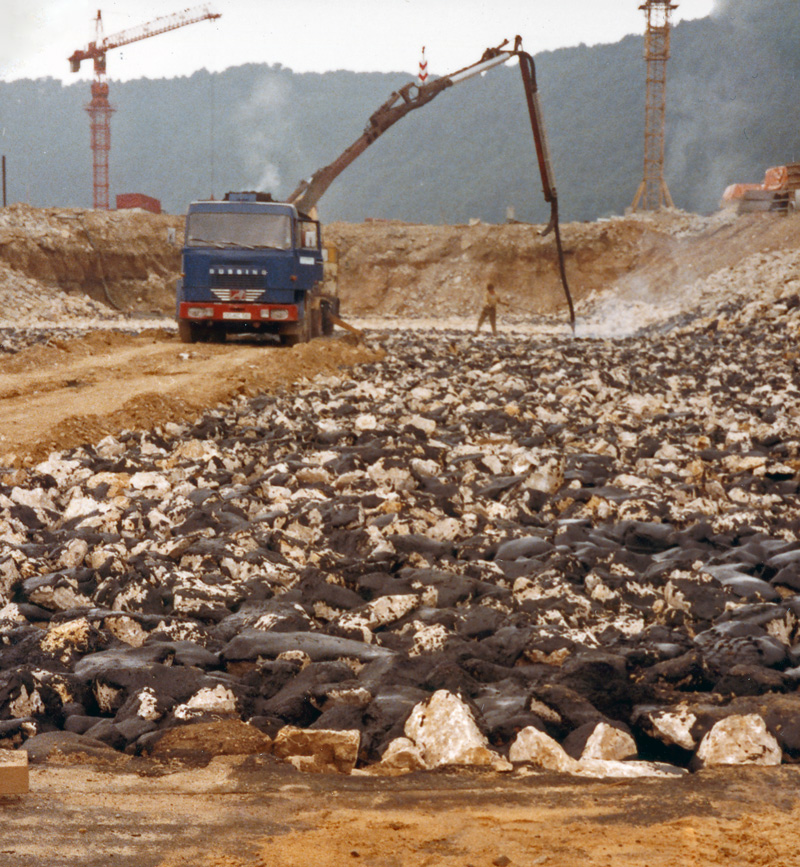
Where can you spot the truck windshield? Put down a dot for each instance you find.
(239, 230)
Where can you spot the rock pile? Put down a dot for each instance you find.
(756, 286)
(562, 552)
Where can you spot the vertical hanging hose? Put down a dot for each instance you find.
(528, 71)
(562, 270)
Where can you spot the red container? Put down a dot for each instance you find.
(138, 200)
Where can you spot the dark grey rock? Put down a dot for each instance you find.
(40, 747)
(252, 643)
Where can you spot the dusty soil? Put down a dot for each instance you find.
(69, 392)
(248, 811)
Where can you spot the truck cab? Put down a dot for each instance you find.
(251, 264)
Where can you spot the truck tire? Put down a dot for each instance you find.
(310, 326)
(188, 332)
(330, 306)
(314, 323)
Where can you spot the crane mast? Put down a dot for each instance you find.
(99, 108)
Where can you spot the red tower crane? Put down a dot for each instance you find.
(99, 109)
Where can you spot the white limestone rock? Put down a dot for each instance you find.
(108, 697)
(605, 768)
(217, 700)
(313, 475)
(109, 447)
(143, 481)
(426, 425)
(445, 732)
(672, 726)
(81, 506)
(62, 640)
(391, 478)
(426, 469)
(548, 477)
(10, 613)
(26, 704)
(379, 612)
(35, 498)
(61, 598)
(365, 422)
(739, 740)
(126, 629)
(609, 744)
(537, 748)
(61, 469)
(427, 638)
(148, 705)
(9, 578)
(73, 554)
(402, 754)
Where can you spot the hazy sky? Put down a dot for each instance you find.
(37, 36)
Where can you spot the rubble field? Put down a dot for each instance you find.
(438, 574)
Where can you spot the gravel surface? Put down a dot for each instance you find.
(562, 533)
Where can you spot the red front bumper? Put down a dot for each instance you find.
(214, 311)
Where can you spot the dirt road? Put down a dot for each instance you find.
(254, 812)
(69, 392)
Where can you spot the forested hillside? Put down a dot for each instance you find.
(732, 111)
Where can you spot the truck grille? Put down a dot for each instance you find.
(237, 294)
(238, 278)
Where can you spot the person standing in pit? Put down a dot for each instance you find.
(489, 309)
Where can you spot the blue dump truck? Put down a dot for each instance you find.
(253, 265)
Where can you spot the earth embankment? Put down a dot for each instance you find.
(53, 260)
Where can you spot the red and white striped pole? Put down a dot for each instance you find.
(423, 69)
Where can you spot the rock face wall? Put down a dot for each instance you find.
(561, 533)
(122, 259)
(406, 270)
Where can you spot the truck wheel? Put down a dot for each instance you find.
(329, 307)
(188, 332)
(314, 329)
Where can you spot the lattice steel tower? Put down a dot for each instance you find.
(100, 109)
(653, 192)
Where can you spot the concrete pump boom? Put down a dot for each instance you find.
(412, 96)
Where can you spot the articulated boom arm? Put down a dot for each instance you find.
(412, 96)
(399, 104)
